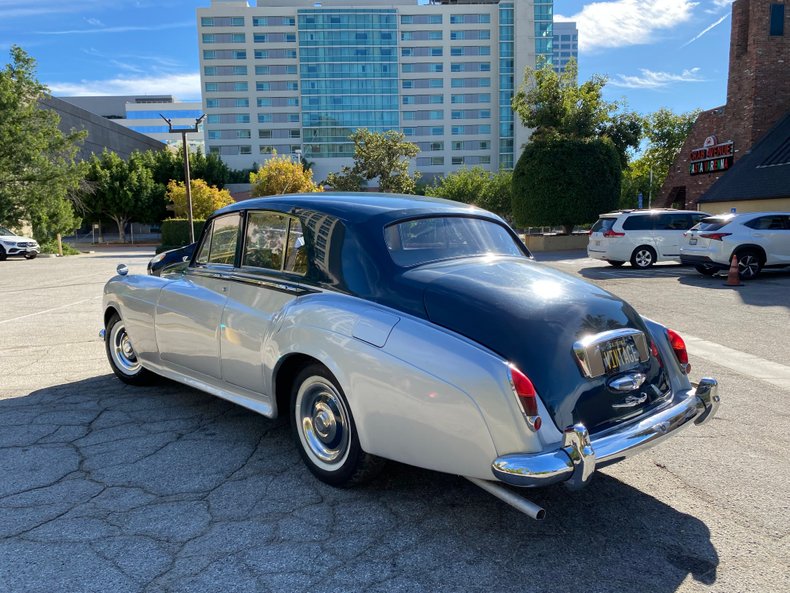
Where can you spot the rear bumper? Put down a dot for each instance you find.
(701, 260)
(579, 456)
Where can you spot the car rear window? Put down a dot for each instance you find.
(418, 241)
(602, 225)
(712, 223)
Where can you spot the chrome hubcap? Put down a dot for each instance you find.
(122, 350)
(323, 422)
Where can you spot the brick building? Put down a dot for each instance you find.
(758, 97)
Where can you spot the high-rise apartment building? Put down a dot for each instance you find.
(565, 46)
(301, 75)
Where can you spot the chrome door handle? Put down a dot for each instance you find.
(224, 289)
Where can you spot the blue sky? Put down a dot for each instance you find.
(655, 53)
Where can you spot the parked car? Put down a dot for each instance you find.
(171, 261)
(12, 244)
(642, 237)
(757, 239)
(412, 329)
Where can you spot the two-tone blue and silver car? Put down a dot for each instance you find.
(412, 329)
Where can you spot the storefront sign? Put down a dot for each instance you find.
(712, 157)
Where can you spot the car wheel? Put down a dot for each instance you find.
(325, 433)
(706, 270)
(122, 356)
(615, 263)
(3, 255)
(749, 264)
(31, 255)
(643, 257)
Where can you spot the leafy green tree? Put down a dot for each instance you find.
(555, 192)
(382, 155)
(565, 175)
(205, 198)
(557, 106)
(345, 180)
(282, 175)
(476, 186)
(121, 190)
(38, 169)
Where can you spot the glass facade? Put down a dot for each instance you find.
(348, 68)
(506, 84)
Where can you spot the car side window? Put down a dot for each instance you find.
(679, 222)
(767, 223)
(638, 223)
(274, 241)
(219, 241)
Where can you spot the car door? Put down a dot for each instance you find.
(771, 232)
(273, 261)
(668, 231)
(189, 310)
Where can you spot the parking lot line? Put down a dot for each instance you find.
(50, 310)
(740, 362)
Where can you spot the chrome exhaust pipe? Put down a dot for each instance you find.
(520, 503)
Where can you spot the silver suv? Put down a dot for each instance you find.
(642, 237)
(757, 239)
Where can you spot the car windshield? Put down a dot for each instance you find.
(422, 240)
(5, 231)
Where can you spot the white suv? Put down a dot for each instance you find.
(642, 237)
(757, 239)
(13, 244)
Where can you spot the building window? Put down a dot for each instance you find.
(777, 26)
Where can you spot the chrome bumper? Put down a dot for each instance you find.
(577, 459)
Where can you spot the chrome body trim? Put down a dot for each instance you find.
(576, 460)
(588, 349)
(629, 382)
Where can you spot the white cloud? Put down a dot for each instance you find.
(120, 29)
(626, 22)
(185, 86)
(94, 22)
(705, 30)
(650, 79)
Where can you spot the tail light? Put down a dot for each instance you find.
(610, 233)
(527, 396)
(679, 346)
(714, 236)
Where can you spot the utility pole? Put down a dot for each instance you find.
(187, 182)
(650, 191)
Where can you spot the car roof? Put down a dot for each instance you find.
(651, 211)
(359, 207)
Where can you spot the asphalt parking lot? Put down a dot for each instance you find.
(106, 487)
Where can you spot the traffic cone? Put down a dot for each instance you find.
(733, 279)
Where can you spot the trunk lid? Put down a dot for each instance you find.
(534, 316)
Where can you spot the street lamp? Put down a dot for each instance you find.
(184, 131)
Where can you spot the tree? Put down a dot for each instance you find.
(205, 198)
(666, 133)
(281, 175)
(565, 174)
(121, 190)
(382, 155)
(476, 186)
(556, 106)
(563, 183)
(345, 180)
(38, 168)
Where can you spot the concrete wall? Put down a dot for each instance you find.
(102, 133)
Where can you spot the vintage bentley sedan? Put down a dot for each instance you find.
(406, 328)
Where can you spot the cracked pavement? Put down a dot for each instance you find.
(107, 487)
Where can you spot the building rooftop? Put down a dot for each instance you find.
(763, 173)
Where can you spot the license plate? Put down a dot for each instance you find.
(692, 241)
(619, 354)
(597, 243)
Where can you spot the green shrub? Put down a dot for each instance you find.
(52, 247)
(175, 232)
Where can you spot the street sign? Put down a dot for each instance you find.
(639, 200)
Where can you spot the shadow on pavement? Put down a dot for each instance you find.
(110, 487)
(770, 289)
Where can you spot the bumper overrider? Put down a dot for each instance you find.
(576, 461)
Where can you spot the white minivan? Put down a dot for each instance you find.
(642, 237)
